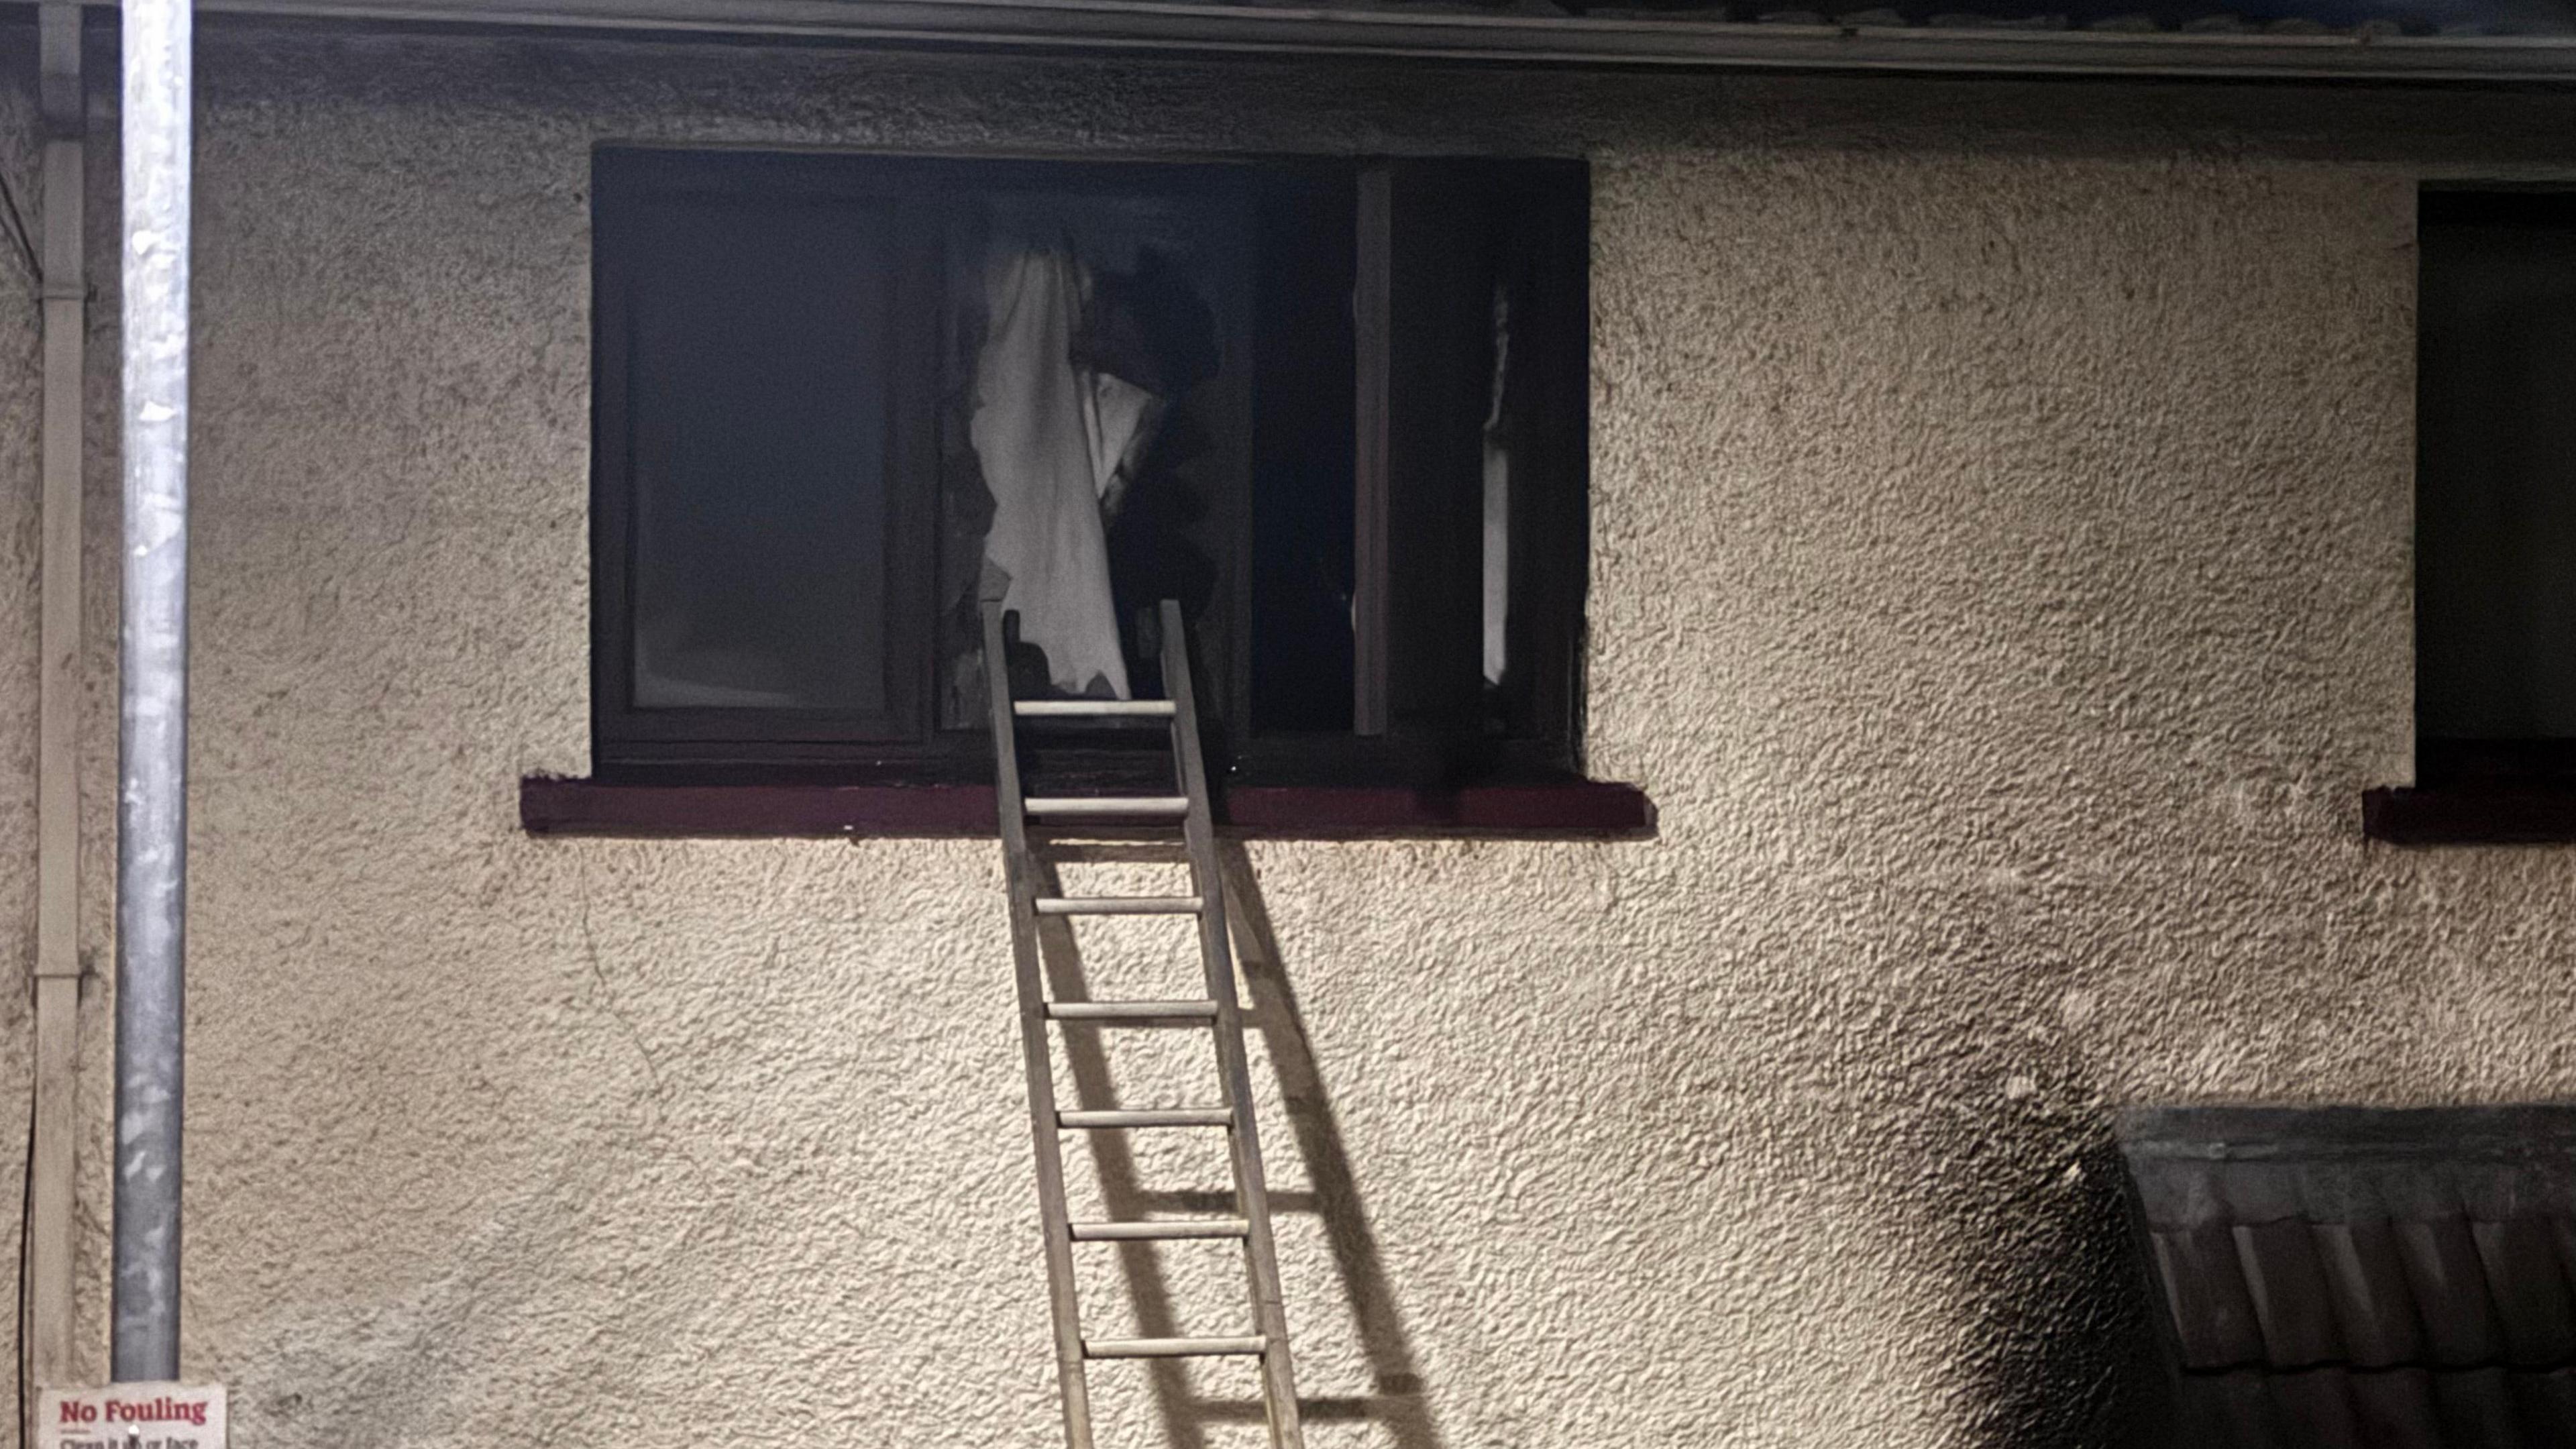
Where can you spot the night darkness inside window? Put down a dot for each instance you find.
(2496, 490)
(1335, 407)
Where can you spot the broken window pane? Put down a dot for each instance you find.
(1090, 421)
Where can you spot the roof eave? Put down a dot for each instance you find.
(1677, 42)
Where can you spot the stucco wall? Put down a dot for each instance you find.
(2000, 582)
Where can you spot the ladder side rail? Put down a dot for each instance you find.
(1029, 970)
(1261, 1264)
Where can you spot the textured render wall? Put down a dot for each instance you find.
(2001, 507)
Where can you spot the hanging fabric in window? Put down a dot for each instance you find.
(1054, 440)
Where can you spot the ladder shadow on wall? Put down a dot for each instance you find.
(1394, 1411)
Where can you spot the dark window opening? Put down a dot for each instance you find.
(2495, 675)
(1335, 407)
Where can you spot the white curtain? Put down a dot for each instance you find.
(1055, 442)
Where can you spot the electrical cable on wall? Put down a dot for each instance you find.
(26, 1210)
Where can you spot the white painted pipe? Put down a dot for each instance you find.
(53, 1153)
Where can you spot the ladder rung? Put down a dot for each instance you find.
(1173, 1347)
(1150, 1117)
(1152, 1230)
(1082, 708)
(1159, 807)
(1120, 905)
(1131, 1011)
(1073, 845)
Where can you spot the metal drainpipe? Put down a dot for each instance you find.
(152, 803)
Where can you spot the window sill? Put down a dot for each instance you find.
(2405, 815)
(1571, 810)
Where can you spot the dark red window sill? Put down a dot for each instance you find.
(1580, 809)
(2404, 815)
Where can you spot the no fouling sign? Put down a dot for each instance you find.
(132, 1416)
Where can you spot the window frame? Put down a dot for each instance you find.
(713, 746)
(623, 187)
(2474, 790)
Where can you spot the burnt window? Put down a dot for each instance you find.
(2496, 489)
(1335, 407)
